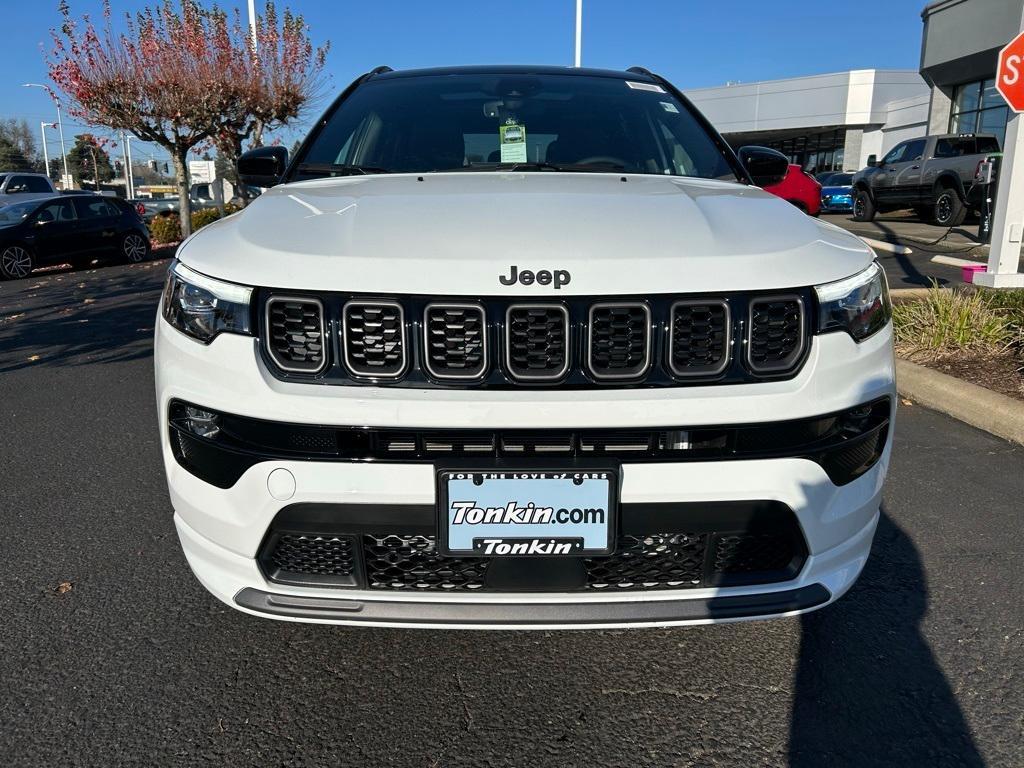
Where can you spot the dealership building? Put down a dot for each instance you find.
(835, 121)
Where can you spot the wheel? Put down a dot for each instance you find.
(949, 209)
(134, 248)
(863, 207)
(15, 261)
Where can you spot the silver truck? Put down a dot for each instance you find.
(933, 175)
(19, 187)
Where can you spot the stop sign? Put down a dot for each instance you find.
(1010, 75)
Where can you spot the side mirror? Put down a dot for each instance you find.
(765, 166)
(263, 166)
(872, 161)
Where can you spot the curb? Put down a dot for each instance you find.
(982, 408)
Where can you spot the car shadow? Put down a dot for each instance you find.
(868, 689)
(74, 318)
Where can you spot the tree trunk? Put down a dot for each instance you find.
(180, 157)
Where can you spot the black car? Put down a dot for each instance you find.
(61, 230)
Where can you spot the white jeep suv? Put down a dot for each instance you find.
(523, 347)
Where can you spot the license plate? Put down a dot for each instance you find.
(528, 513)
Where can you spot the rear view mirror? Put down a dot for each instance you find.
(263, 166)
(765, 166)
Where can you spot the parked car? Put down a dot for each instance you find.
(799, 188)
(837, 193)
(615, 384)
(933, 175)
(18, 187)
(201, 198)
(75, 229)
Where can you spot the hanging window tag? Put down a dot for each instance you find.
(513, 143)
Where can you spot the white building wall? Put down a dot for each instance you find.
(904, 119)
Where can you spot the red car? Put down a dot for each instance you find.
(799, 188)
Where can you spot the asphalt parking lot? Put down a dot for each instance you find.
(112, 654)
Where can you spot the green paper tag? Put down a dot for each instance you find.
(513, 143)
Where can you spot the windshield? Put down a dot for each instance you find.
(16, 213)
(839, 180)
(422, 124)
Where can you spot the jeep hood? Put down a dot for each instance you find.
(455, 233)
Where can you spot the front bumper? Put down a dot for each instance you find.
(222, 530)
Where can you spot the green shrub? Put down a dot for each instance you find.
(950, 321)
(203, 217)
(165, 229)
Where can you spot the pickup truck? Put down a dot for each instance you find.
(19, 187)
(934, 175)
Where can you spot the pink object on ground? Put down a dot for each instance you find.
(968, 271)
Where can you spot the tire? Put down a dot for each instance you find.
(949, 210)
(863, 206)
(134, 248)
(16, 261)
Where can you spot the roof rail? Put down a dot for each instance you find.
(380, 70)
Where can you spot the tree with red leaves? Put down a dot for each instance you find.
(184, 76)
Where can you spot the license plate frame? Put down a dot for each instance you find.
(506, 477)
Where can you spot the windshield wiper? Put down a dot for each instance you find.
(340, 169)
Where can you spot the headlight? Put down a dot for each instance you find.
(202, 307)
(858, 305)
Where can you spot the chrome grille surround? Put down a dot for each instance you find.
(784, 333)
(293, 366)
(634, 371)
(726, 344)
(363, 368)
(525, 375)
(430, 341)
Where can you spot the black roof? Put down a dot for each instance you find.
(518, 69)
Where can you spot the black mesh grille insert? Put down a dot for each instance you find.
(645, 562)
(699, 338)
(619, 340)
(322, 555)
(537, 342)
(412, 562)
(295, 334)
(455, 341)
(752, 552)
(776, 334)
(374, 339)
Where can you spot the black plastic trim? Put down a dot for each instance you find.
(582, 614)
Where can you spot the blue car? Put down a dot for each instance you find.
(837, 193)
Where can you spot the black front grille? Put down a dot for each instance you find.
(620, 340)
(455, 341)
(700, 338)
(412, 563)
(374, 339)
(645, 562)
(776, 339)
(295, 334)
(575, 342)
(537, 342)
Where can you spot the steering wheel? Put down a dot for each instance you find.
(601, 160)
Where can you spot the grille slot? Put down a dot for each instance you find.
(295, 333)
(775, 340)
(455, 341)
(663, 560)
(619, 340)
(374, 339)
(699, 336)
(537, 342)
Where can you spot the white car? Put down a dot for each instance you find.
(589, 377)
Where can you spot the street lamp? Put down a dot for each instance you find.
(60, 126)
(46, 155)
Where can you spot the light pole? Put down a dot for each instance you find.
(252, 23)
(579, 32)
(60, 125)
(46, 155)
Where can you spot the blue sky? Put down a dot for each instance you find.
(694, 43)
